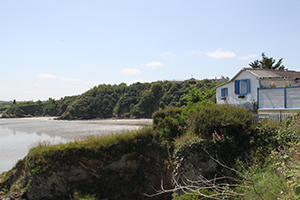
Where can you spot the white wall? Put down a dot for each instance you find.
(232, 98)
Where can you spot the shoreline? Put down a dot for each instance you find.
(142, 121)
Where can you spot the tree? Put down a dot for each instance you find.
(267, 63)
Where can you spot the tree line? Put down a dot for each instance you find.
(138, 100)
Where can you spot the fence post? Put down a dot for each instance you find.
(285, 97)
(257, 98)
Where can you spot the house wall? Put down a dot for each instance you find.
(232, 98)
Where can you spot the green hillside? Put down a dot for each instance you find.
(138, 100)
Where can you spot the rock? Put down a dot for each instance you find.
(193, 166)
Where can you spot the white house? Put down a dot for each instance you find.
(243, 88)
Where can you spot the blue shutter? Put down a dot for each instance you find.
(237, 87)
(248, 85)
(222, 92)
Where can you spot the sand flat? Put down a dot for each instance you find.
(103, 121)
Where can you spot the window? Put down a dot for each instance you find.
(242, 87)
(224, 92)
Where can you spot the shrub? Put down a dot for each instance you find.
(170, 122)
(266, 134)
(187, 144)
(236, 123)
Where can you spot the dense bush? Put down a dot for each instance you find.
(232, 122)
(170, 122)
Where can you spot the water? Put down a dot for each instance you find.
(17, 136)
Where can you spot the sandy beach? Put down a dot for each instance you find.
(101, 121)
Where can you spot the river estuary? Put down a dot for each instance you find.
(17, 136)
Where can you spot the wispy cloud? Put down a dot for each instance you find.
(68, 79)
(154, 64)
(172, 56)
(193, 52)
(249, 56)
(166, 53)
(221, 54)
(128, 71)
(46, 76)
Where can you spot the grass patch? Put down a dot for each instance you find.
(94, 155)
(92, 147)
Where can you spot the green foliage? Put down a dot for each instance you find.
(235, 123)
(5, 103)
(196, 195)
(16, 110)
(139, 100)
(266, 133)
(187, 144)
(263, 184)
(170, 122)
(267, 63)
(273, 172)
(3, 108)
(196, 95)
(40, 158)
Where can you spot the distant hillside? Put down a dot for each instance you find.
(138, 100)
(5, 103)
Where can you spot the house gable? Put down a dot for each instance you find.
(242, 89)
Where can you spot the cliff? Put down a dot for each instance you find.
(125, 166)
(128, 168)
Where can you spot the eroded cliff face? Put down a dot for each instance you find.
(191, 168)
(130, 170)
(130, 176)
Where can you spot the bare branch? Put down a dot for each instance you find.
(222, 190)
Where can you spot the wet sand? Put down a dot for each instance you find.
(100, 121)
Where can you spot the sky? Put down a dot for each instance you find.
(58, 48)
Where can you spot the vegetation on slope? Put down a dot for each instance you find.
(106, 101)
(255, 159)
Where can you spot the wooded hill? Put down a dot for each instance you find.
(138, 100)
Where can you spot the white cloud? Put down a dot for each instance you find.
(166, 53)
(67, 79)
(249, 56)
(46, 76)
(193, 52)
(172, 56)
(154, 64)
(221, 54)
(127, 71)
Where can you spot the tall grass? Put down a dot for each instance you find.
(44, 154)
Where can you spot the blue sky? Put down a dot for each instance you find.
(57, 48)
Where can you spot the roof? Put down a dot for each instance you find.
(268, 74)
(273, 74)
